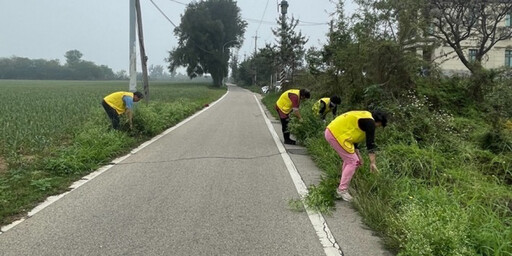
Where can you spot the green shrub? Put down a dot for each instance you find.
(310, 126)
(497, 141)
(415, 118)
(447, 93)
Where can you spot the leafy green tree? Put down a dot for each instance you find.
(156, 72)
(263, 64)
(245, 72)
(366, 58)
(73, 57)
(234, 67)
(206, 32)
(291, 45)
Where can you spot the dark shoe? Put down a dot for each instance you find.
(290, 142)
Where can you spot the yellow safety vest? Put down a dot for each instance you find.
(346, 130)
(284, 103)
(115, 100)
(316, 106)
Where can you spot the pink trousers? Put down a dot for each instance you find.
(350, 161)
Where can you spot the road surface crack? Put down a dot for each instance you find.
(200, 157)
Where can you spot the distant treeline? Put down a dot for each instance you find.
(77, 69)
(25, 68)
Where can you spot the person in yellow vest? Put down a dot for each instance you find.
(117, 103)
(289, 102)
(325, 105)
(344, 133)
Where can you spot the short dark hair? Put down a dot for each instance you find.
(305, 93)
(380, 116)
(336, 100)
(139, 95)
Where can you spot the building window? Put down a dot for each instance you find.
(508, 58)
(472, 54)
(508, 20)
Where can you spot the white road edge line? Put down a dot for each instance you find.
(52, 199)
(331, 247)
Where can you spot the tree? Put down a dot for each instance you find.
(264, 63)
(234, 67)
(479, 22)
(76, 69)
(73, 57)
(121, 75)
(291, 45)
(463, 20)
(206, 32)
(245, 72)
(156, 72)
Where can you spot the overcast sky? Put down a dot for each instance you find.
(99, 29)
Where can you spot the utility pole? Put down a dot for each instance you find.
(255, 51)
(143, 56)
(133, 51)
(255, 43)
(282, 72)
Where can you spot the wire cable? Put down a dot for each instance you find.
(262, 16)
(301, 23)
(178, 2)
(160, 10)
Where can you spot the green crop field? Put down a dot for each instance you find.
(54, 132)
(38, 113)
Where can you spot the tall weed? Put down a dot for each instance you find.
(432, 224)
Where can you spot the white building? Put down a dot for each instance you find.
(499, 56)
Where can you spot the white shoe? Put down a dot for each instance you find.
(343, 194)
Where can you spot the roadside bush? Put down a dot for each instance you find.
(446, 93)
(497, 141)
(310, 126)
(153, 118)
(500, 99)
(93, 144)
(415, 117)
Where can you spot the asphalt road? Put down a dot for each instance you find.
(216, 185)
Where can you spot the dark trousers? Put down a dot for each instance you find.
(112, 114)
(284, 128)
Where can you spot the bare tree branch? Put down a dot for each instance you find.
(459, 22)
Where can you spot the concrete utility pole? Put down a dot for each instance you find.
(284, 9)
(133, 50)
(255, 51)
(143, 57)
(223, 47)
(255, 44)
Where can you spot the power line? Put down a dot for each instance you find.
(301, 23)
(162, 13)
(262, 16)
(178, 2)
